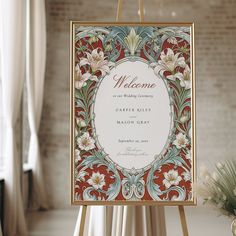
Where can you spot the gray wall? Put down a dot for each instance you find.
(215, 66)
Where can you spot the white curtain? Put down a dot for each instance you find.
(35, 67)
(12, 44)
(123, 221)
(0, 103)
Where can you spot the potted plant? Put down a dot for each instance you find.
(218, 189)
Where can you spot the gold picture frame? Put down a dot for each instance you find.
(73, 26)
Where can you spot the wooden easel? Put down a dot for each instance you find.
(180, 207)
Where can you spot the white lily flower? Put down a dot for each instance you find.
(97, 180)
(80, 79)
(185, 78)
(169, 61)
(181, 141)
(171, 178)
(97, 61)
(85, 142)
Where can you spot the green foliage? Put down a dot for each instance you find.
(219, 189)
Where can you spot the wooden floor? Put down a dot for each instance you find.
(201, 222)
(52, 223)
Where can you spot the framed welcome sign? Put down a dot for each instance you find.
(132, 113)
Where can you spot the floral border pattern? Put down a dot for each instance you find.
(168, 51)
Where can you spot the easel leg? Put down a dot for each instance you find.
(118, 11)
(82, 223)
(183, 221)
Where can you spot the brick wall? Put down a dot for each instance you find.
(215, 66)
